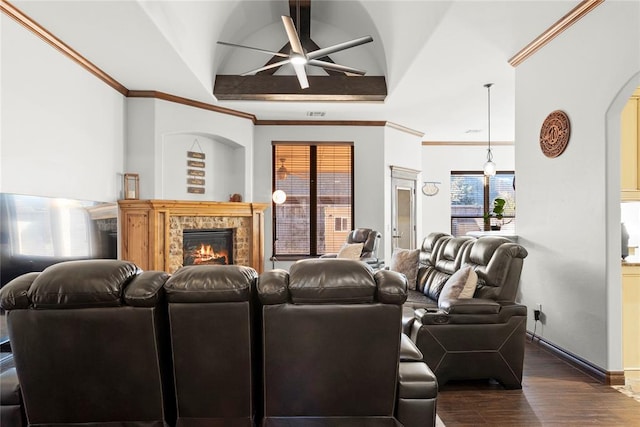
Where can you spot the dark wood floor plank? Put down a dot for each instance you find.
(553, 393)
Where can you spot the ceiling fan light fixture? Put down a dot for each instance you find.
(297, 59)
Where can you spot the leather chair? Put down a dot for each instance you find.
(88, 339)
(476, 338)
(370, 240)
(332, 345)
(11, 408)
(212, 341)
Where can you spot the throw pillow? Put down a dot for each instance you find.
(461, 284)
(350, 251)
(405, 261)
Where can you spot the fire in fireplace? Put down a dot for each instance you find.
(208, 247)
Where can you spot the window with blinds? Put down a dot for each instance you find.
(318, 212)
(472, 195)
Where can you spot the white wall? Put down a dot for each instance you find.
(369, 171)
(161, 132)
(568, 207)
(437, 163)
(62, 132)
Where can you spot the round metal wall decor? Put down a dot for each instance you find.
(555, 133)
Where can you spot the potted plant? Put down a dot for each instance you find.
(497, 212)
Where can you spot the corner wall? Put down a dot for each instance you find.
(161, 132)
(62, 129)
(565, 215)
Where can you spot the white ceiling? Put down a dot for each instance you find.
(436, 55)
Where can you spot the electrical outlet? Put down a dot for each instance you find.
(539, 307)
(536, 315)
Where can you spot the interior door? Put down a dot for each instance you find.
(403, 215)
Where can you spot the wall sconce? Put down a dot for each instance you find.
(430, 188)
(131, 186)
(279, 197)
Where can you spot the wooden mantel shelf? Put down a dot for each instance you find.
(146, 231)
(197, 208)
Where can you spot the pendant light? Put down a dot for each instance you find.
(489, 166)
(282, 172)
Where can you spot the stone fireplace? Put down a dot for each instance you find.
(153, 231)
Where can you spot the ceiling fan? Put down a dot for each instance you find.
(298, 57)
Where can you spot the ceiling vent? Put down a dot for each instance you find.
(316, 113)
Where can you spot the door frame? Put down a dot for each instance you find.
(404, 178)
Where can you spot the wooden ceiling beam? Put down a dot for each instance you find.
(287, 88)
(300, 12)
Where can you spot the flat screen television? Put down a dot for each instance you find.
(36, 232)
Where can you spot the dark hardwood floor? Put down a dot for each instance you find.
(553, 393)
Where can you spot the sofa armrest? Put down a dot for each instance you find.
(469, 306)
(417, 394)
(469, 311)
(329, 256)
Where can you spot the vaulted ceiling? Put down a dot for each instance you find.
(434, 56)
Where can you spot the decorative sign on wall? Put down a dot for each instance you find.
(195, 169)
(555, 133)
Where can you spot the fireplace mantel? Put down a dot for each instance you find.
(147, 226)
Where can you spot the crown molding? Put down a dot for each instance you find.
(405, 129)
(465, 143)
(320, 123)
(190, 102)
(38, 30)
(562, 24)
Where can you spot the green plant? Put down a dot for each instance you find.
(497, 212)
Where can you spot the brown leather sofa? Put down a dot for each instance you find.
(476, 338)
(89, 344)
(332, 349)
(99, 342)
(212, 342)
(11, 407)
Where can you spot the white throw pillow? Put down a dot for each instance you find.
(461, 284)
(350, 251)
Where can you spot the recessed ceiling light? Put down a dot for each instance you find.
(316, 113)
(473, 131)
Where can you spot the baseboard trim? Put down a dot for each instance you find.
(596, 372)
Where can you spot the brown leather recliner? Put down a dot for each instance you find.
(370, 240)
(88, 340)
(477, 338)
(331, 348)
(212, 340)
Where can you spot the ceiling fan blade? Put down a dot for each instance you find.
(336, 67)
(292, 34)
(338, 47)
(267, 67)
(302, 75)
(283, 55)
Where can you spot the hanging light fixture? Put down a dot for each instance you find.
(489, 166)
(282, 172)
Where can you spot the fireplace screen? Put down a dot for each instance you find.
(208, 247)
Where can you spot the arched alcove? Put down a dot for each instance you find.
(218, 174)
